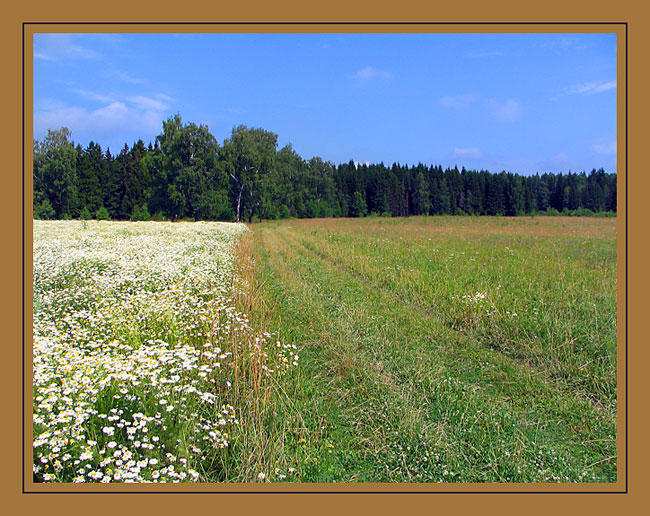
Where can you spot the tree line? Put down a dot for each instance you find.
(186, 174)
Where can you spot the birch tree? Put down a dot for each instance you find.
(248, 155)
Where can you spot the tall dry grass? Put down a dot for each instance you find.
(257, 450)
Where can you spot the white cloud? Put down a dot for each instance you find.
(162, 96)
(468, 152)
(53, 47)
(48, 104)
(368, 73)
(594, 87)
(459, 101)
(156, 104)
(509, 111)
(565, 43)
(125, 77)
(92, 95)
(59, 117)
(606, 149)
(111, 120)
(114, 112)
(43, 56)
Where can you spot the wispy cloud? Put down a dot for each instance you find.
(135, 114)
(92, 95)
(509, 111)
(157, 103)
(459, 101)
(54, 47)
(606, 149)
(47, 104)
(468, 152)
(594, 87)
(565, 43)
(125, 77)
(369, 73)
(112, 120)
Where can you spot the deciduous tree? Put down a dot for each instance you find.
(248, 155)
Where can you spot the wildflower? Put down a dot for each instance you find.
(78, 343)
(87, 455)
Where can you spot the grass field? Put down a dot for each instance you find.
(444, 349)
(431, 349)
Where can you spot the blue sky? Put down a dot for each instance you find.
(523, 103)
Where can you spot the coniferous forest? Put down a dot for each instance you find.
(187, 174)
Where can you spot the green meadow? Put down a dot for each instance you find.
(376, 349)
(442, 349)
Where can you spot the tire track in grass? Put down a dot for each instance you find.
(354, 384)
(435, 390)
(308, 241)
(438, 428)
(412, 293)
(563, 401)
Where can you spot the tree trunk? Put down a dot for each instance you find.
(241, 189)
(250, 208)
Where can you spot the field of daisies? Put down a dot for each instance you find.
(140, 355)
